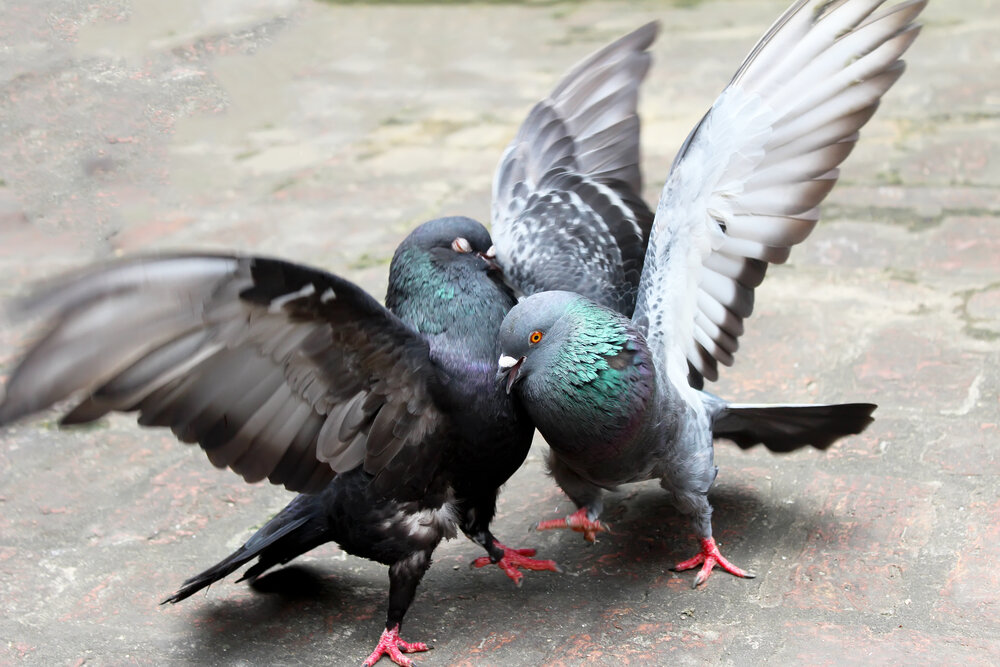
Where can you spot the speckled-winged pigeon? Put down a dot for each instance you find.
(618, 394)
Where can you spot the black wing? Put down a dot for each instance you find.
(277, 370)
(567, 210)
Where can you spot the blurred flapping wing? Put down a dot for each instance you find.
(277, 370)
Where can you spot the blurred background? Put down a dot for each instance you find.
(323, 132)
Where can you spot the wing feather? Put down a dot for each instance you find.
(739, 267)
(272, 439)
(295, 466)
(776, 170)
(749, 179)
(567, 210)
(787, 199)
(278, 371)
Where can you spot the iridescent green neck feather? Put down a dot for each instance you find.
(593, 383)
(452, 303)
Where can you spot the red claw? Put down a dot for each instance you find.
(579, 522)
(513, 559)
(391, 645)
(708, 559)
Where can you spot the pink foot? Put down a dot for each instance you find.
(391, 645)
(579, 522)
(708, 559)
(514, 559)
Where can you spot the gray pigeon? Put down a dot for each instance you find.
(387, 420)
(618, 395)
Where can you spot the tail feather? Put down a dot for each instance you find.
(298, 528)
(785, 428)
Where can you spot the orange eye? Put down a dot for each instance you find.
(535, 337)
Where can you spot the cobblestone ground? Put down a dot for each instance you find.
(324, 132)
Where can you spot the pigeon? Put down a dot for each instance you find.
(386, 420)
(619, 395)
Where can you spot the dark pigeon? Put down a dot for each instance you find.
(617, 394)
(287, 373)
(387, 420)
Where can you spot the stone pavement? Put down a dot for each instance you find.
(324, 132)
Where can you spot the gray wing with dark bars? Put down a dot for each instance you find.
(567, 210)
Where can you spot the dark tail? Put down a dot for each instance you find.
(301, 526)
(785, 428)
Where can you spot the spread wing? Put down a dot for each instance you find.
(748, 181)
(277, 370)
(567, 213)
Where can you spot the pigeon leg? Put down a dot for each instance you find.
(579, 521)
(511, 561)
(708, 559)
(476, 519)
(391, 645)
(404, 577)
(689, 487)
(584, 495)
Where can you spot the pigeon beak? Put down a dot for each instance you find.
(511, 368)
(490, 257)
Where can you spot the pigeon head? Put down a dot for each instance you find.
(442, 254)
(532, 334)
(454, 240)
(443, 279)
(583, 373)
